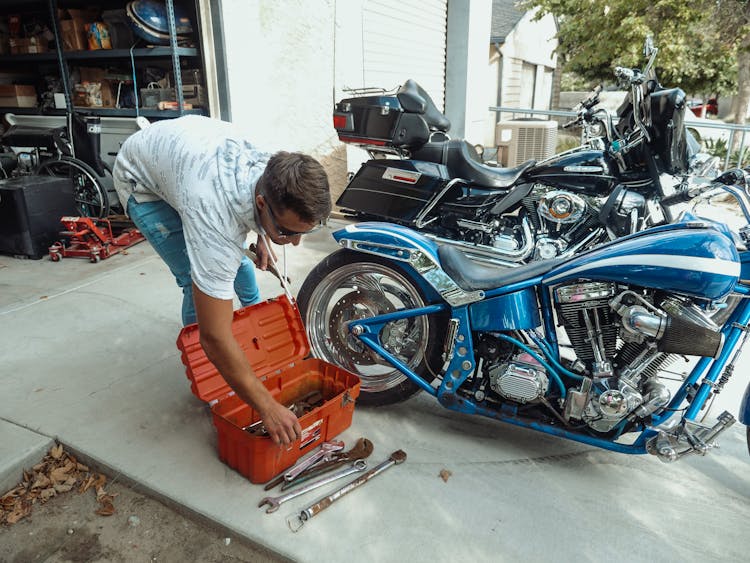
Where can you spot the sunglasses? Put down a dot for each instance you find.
(287, 233)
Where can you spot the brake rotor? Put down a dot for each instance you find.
(359, 304)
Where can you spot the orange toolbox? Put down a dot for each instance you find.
(274, 340)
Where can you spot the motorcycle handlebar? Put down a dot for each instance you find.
(733, 177)
(625, 73)
(682, 196)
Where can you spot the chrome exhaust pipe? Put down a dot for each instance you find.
(493, 256)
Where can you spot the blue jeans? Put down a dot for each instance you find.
(162, 227)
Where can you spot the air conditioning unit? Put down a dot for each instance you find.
(525, 139)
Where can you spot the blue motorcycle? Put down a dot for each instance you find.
(575, 347)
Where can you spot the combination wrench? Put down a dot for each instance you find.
(295, 523)
(274, 502)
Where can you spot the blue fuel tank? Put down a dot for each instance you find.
(691, 259)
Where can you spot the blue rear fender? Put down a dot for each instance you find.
(392, 242)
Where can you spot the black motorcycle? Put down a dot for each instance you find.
(609, 187)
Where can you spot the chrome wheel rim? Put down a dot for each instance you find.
(358, 291)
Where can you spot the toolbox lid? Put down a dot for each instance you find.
(270, 333)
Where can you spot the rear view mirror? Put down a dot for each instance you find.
(648, 46)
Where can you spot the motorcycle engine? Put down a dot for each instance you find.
(560, 218)
(624, 337)
(560, 207)
(522, 379)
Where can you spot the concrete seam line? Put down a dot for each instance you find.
(75, 288)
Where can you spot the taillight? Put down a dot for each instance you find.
(342, 121)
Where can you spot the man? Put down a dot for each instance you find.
(195, 187)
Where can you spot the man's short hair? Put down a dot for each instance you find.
(297, 182)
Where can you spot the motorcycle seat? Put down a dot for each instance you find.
(472, 276)
(414, 99)
(463, 162)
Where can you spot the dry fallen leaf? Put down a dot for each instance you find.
(445, 475)
(107, 509)
(41, 481)
(59, 475)
(86, 485)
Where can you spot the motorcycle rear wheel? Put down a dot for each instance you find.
(347, 286)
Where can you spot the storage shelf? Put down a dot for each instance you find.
(105, 112)
(160, 52)
(28, 57)
(125, 53)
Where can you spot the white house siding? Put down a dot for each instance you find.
(527, 62)
(280, 69)
(405, 39)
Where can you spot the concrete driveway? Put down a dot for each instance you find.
(88, 356)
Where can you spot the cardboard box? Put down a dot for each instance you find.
(73, 28)
(192, 94)
(195, 95)
(273, 338)
(24, 45)
(189, 76)
(101, 89)
(73, 35)
(17, 96)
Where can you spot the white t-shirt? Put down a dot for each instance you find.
(207, 172)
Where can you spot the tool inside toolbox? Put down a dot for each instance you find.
(299, 407)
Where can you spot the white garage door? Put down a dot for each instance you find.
(404, 39)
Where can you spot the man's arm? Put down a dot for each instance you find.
(215, 324)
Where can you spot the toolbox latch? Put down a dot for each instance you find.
(346, 398)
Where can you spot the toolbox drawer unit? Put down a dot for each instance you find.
(273, 338)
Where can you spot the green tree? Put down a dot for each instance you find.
(731, 18)
(698, 40)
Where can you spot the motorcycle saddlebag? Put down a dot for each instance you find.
(378, 121)
(395, 190)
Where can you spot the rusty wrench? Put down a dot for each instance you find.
(274, 502)
(323, 454)
(397, 457)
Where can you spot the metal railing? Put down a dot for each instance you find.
(732, 128)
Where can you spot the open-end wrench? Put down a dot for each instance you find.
(361, 450)
(323, 454)
(295, 523)
(274, 502)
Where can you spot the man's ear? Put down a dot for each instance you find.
(260, 202)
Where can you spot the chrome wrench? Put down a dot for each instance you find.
(274, 502)
(323, 454)
(397, 457)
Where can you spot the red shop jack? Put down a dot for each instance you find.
(94, 239)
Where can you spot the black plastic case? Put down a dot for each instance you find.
(30, 212)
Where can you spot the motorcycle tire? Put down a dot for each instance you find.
(347, 286)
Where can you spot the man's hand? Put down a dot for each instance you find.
(217, 340)
(281, 423)
(263, 251)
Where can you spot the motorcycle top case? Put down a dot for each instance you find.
(394, 189)
(273, 338)
(378, 121)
